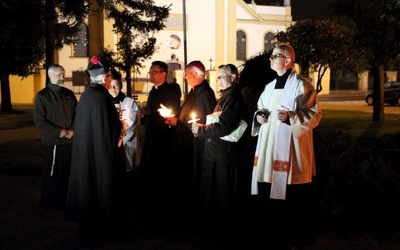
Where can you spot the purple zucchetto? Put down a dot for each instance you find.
(95, 66)
(199, 65)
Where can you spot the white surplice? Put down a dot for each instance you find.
(300, 98)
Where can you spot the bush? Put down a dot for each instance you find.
(358, 184)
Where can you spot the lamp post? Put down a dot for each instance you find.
(184, 45)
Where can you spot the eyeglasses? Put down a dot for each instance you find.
(155, 72)
(221, 77)
(273, 57)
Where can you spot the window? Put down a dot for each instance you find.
(269, 41)
(240, 46)
(80, 48)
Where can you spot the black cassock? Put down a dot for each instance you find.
(156, 169)
(221, 190)
(189, 150)
(94, 192)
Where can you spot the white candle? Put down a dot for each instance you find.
(120, 110)
(193, 118)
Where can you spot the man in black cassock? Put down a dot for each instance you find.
(156, 174)
(189, 150)
(94, 193)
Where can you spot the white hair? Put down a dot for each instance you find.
(198, 71)
(97, 79)
(53, 68)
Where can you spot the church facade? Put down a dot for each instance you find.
(213, 31)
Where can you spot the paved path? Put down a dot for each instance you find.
(29, 133)
(20, 134)
(356, 106)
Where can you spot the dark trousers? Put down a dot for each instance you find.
(282, 224)
(55, 176)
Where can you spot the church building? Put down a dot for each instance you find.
(213, 31)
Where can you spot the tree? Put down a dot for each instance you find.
(21, 43)
(62, 20)
(324, 44)
(135, 22)
(378, 32)
(31, 32)
(255, 74)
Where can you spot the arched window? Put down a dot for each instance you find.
(269, 41)
(80, 48)
(240, 46)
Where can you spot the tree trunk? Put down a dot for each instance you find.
(50, 37)
(128, 81)
(5, 93)
(378, 104)
(321, 72)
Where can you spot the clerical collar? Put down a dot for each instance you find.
(199, 85)
(156, 87)
(119, 98)
(224, 90)
(281, 80)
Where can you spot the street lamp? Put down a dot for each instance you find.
(184, 45)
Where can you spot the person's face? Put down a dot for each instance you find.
(190, 77)
(157, 75)
(279, 61)
(57, 77)
(114, 89)
(107, 80)
(224, 80)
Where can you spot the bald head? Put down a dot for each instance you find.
(56, 74)
(287, 51)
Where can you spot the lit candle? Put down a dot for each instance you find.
(120, 110)
(165, 112)
(193, 118)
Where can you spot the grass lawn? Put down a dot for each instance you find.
(357, 181)
(358, 123)
(354, 123)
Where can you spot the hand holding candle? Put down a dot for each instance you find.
(166, 113)
(120, 111)
(282, 113)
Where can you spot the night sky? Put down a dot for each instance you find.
(302, 9)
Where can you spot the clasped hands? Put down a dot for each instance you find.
(66, 133)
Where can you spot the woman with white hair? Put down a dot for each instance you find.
(220, 183)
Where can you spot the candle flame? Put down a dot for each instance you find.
(193, 118)
(165, 112)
